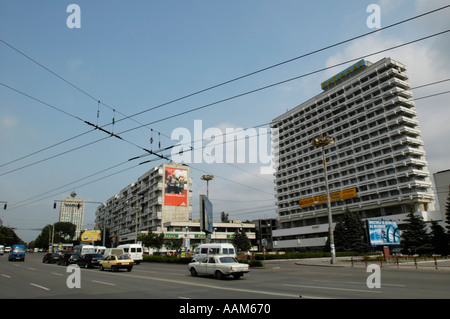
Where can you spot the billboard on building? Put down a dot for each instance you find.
(206, 215)
(175, 191)
(91, 235)
(383, 232)
(321, 199)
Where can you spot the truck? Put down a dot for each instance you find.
(17, 252)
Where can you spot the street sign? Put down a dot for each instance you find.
(264, 242)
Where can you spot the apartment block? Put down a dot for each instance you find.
(159, 196)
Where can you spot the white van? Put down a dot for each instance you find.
(135, 251)
(2, 249)
(100, 249)
(84, 249)
(204, 250)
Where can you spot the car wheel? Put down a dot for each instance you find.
(129, 269)
(101, 268)
(219, 275)
(237, 276)
(194, 272)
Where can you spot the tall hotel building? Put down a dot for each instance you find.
(376, 165)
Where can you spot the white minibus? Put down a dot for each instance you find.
(135, 251)
(204, 250)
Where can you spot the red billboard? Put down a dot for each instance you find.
(175, 190)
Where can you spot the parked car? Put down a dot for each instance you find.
(116, 262)
(51, 258)
(68, 258)
(218, 266)
(90, 260)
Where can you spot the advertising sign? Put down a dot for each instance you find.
(344, 73)
(206, 215)
(91, 235)
(175, 191)
(344, 194)
(383, 232)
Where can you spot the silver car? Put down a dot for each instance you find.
(218, 266)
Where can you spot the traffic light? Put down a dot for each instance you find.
(54, 205)
(6, 205)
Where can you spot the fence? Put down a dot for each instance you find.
(431, 262)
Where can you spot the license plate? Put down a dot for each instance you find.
(124, 263)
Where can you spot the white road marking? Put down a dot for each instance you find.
(38, 286)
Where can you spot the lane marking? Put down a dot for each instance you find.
(359, 283)
(38, 286)
(333, 288)
(217, 287)
(103, 282)
(6, 276)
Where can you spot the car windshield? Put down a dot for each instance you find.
(227, 260)
(19, 250)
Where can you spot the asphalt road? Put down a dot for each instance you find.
(278, 280)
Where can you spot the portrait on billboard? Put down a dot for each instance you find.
(175, 191)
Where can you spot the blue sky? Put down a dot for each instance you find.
(133, 56)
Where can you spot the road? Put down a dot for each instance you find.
(278, 280)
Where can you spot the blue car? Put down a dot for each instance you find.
(17, 253)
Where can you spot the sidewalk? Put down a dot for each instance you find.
(359, 263)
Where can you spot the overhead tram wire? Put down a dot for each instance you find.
(79, 119)
(14, 207)
(267, 87)
(287, 80)
(287, 61)
(214, 86)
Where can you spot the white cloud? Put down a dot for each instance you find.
(7, 125)
(426, 61)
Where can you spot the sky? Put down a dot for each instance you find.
(170, 63)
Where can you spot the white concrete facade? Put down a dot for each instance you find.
(378, 149)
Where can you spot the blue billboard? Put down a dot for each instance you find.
(206, 215)
(383, 232)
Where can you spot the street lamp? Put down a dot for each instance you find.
(322, 141)
(207, 178)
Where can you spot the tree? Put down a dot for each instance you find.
(350, 233)
(447, 214)
(439, 239)
(415, 238)
(153, 240)
(241, 241)
(224, 217)
(8, 237)
(173, 244)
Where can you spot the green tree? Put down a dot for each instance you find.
(350, 233)
(153, 240)
(447, 214)
(9, 237)
(439, 239)
(224, 217)
(173, 244)
(241, 241)
(415, 239)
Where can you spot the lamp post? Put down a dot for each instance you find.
(207, 178)
(322, 141)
